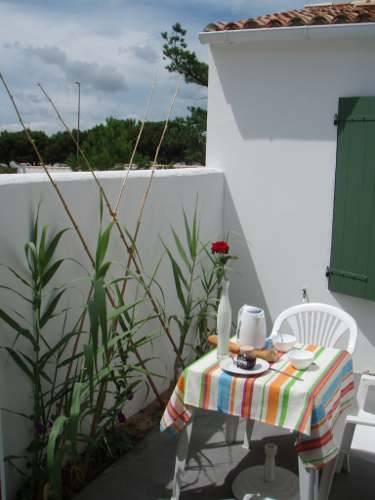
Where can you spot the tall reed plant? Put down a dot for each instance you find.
(81, 383)
(196, 283)
(36, 355)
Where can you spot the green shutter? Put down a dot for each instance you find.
(352, 266)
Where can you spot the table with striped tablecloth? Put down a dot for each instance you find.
(309, 407)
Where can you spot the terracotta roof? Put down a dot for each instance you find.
(320, 14)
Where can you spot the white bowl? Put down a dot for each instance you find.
(301, 359)
(284, 342)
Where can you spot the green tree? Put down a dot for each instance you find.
(60, 146)
(14, 146)
(112, 143)
(182, 60)
(108, 144)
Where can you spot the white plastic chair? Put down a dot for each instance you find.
(362, 417)
(319, 324)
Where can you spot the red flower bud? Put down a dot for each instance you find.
(220, 247)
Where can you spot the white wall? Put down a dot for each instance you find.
(19, 196)
(270, 129)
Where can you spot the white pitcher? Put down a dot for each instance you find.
(251, 327)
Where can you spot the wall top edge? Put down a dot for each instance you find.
(14, 179)
(325, 32)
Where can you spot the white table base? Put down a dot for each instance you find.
(251, 483)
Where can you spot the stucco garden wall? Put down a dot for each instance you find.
(19, 196)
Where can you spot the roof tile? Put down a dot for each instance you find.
(360, 11)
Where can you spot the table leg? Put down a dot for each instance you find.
(231, 427)
(308, 482)
(181, 458)
(327, 473)
(346, 443)
(248, 434)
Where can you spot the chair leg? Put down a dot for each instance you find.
(231, 427)
(181, 458)
(248, 434)
(346, 443)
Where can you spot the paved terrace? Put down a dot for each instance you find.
(146, 472)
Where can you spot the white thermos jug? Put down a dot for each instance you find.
(251, 327)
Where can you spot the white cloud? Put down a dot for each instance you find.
(144, 52)
(105, 78)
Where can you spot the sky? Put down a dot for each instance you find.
(112, 47)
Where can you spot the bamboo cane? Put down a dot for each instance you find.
(145, 116)
(62, 199)
(146, 195)
(129, 248)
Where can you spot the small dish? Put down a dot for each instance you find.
(284, 342)
(228, 366)
(301, 359)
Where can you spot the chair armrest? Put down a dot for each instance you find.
(364, 384)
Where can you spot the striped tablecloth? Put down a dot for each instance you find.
(309, 407)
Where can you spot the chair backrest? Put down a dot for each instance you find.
(319, 324)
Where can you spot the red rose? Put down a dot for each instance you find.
(220, 247)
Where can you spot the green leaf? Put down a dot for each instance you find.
(176, 267)
(74, 418)
(23, 297)
(181, 250)
(10, 321)
(94, 326)
(34, 234)
(115, 313)
(195, 231)
(31, 365)
(189, 238)
(102, 246)
(18, 413)
(32, 257)
(102, 271)
(69, 360)
(42, 248)
(54, 455)
(48, 275)
(101, 310)
(20, 362)
(52, 245)
(27, 335)
(17, 275)
(178, 277)
(89, 364)
(59, 346)
(48, 313)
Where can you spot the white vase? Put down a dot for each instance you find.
(224, 322)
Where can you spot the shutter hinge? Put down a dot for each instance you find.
(345, 274)
(336, 120)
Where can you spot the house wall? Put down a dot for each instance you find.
(271, 108)
(170, 192)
